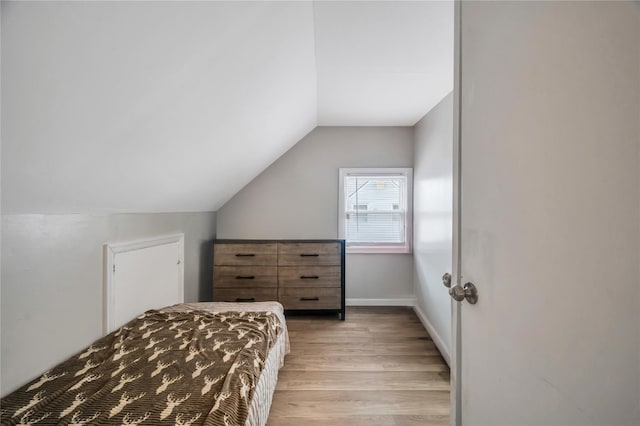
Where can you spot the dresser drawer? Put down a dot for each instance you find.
(245, 276)
(249, 294)
(309, 254)
(310, 298)
(309, 276)
(245, 254)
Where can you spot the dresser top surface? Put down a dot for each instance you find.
(265, 241)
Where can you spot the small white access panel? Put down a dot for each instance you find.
(142, 275)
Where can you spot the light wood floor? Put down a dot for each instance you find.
(379, 367)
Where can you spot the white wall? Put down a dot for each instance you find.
(297, 197)
(52, 280)
(433, 219)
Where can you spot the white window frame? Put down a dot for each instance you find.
(342, 213)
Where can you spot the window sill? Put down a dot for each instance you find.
(378, 250)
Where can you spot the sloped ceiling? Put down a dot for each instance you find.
(175, 106)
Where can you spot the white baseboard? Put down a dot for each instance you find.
(410, 301)
(444, 351)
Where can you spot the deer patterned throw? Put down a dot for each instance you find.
(183, 368)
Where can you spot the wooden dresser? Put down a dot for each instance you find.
(300, 274)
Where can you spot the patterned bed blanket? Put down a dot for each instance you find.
(182, 368)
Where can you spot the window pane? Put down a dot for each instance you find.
(375, 209)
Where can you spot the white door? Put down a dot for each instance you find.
(550, 213)
(143, 275)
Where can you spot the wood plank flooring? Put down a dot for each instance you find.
(379, 367)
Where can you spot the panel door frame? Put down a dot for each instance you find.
(456, 332)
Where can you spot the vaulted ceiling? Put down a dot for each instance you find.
(175, 106)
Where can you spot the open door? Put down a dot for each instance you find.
(549, 212)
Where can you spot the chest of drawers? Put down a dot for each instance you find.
(300, 274)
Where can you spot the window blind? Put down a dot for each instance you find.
(375, 209)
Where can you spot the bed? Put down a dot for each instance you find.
(188, 364)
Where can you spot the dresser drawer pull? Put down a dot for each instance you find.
(309, 255)
(248, 299)
(245, 255)
(309, 299)
(309, 277)
(245, 277)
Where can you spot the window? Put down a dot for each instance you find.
(375, 210)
